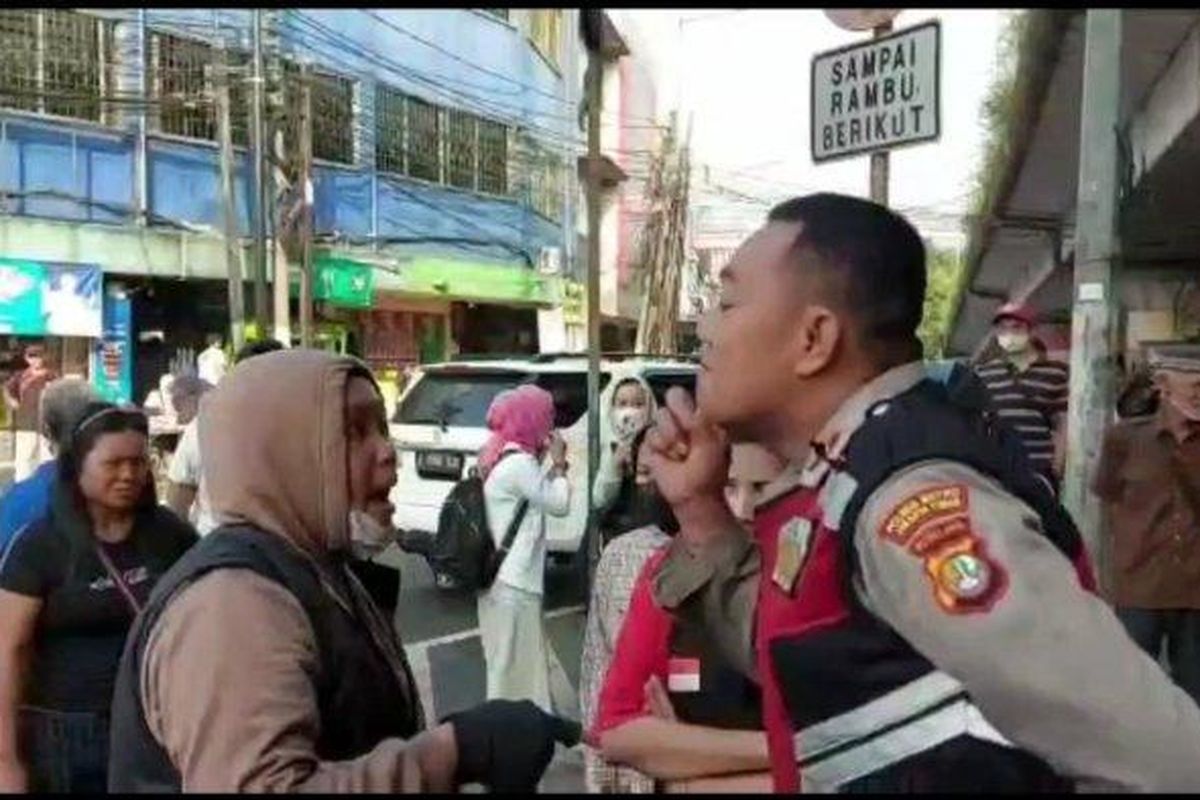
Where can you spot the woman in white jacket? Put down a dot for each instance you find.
(613, 493)
(510, 611)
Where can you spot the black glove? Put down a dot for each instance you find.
(507, 745)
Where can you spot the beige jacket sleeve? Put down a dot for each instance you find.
(715, 586)
(227, 686)
(1047, 663)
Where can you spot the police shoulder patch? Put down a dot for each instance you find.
(922, 507)
(965, 578)
(934, 525)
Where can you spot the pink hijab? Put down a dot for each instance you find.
(523, 416)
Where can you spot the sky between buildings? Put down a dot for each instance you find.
(746, 83)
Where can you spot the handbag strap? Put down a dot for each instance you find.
(514, 525)
(118, 580)
(511, 534)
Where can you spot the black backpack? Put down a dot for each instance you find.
(463, 548)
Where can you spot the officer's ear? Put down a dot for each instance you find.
(818, 336)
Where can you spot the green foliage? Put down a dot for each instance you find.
(940, 292)
(1027, 51)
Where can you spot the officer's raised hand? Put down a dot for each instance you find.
(689, 459)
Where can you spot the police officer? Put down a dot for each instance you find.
(922, 618)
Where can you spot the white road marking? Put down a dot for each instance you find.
(564, 695)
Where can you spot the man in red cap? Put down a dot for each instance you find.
(1027, 390)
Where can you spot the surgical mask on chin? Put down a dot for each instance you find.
(368, 538)
(1012, 343)
(628, 422)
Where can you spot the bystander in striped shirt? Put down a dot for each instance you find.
(1028, 402)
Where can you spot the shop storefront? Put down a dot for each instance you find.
(55, 304)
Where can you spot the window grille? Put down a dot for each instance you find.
(449, 146)
(544, 180)
(389, 130)
(545, 31)
(333, 118)
(424, 140)
(501, 13)
(460, 149)
(184, 84)
(55, 61)
(493, 157)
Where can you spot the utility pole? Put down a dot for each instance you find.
(881, 161)
(262, 311)
(233, 247)
(1097, 250)
(593, 29)
(280, 286)
(306, 198)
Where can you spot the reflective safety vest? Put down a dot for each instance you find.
(848, 702)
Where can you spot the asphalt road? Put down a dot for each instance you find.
(440, 631)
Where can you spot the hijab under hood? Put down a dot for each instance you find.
(274, 447)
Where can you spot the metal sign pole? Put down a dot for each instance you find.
(594, 95)
(881, 161)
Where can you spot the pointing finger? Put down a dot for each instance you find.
(666, 437)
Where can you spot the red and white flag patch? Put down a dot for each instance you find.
(683, 675)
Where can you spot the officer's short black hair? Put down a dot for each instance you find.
(258, 348)
(876, 257)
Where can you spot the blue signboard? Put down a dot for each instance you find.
(112, 354)
(39, 299)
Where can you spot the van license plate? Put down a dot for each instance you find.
(439, 464)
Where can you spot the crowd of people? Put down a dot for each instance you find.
(835, 568)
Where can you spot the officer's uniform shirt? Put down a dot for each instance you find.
(1046, 662)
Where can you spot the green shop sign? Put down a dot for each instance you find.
(342, 282)
(468, 280)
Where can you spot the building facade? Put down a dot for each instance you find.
(443, 179)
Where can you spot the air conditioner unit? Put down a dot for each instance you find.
(550, 261)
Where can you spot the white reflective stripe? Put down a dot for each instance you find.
(960, 718)
(893, 707)
(980, 728)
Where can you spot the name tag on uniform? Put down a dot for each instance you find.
(793, 543)
(683, 675)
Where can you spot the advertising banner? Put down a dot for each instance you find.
(112, 353)
(50, 299)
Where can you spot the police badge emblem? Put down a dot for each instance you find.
(794, 539)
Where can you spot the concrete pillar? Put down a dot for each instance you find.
(1094, 314)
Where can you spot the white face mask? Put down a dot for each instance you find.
(628, 422)
(368, 537)
(1013, 343)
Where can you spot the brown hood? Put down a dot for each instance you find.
(273, 441)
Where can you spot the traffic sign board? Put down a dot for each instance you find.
(877, 95)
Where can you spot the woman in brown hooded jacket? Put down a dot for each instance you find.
(260, 662)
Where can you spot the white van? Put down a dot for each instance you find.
(439, 426)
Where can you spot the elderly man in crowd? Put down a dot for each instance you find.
(1149, 478)
(185, 495)
(26, 501)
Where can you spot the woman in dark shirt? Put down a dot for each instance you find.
(70, 586)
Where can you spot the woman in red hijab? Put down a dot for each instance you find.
(518, 492)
